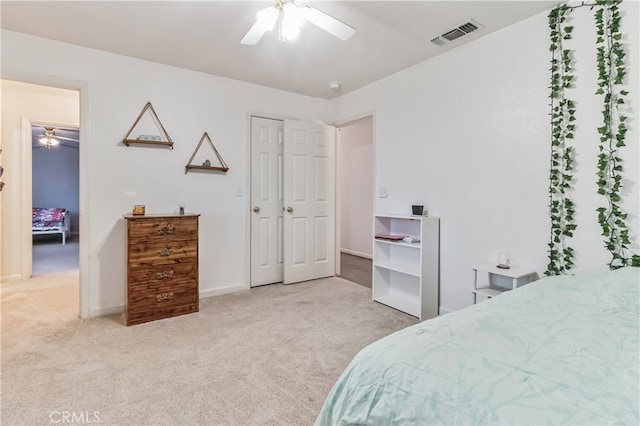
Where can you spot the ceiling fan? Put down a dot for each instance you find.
(49, 138)
(290, 18)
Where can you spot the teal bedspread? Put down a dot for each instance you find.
(562, 350)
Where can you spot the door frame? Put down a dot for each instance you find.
(26, 199)
(83, 176)
(247, 193)
(342, 123)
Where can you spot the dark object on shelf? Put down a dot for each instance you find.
(146, 139)
(390, 237)
(503, 266)
(417, 210)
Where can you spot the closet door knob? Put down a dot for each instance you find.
(256, 209)
(289, 209)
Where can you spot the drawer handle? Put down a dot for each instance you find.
(164, 275)
(165, 252)
(164, 297)
(166, 230)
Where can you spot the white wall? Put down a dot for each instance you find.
(37, 104)
(468, 133)
(114, 89)
(355, 144)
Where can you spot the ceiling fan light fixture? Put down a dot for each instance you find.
(48, 141)
(292, 19)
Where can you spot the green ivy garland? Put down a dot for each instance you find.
(611, 73)
(561, 208)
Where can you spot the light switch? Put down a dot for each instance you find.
(240, 191)
(382, 192)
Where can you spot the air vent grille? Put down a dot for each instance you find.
(458, 31)
(453, 34)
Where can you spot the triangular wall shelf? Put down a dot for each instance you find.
(223, 166)
(149, 139)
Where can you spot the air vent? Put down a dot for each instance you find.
(457, 32)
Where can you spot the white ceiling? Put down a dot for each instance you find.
(205, 36)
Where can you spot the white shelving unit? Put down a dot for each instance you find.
(486, 277)
(406, 275)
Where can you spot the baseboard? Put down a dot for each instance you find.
(443, 310)
(101, 312)
(223, 290)
(356, 253)
(8, 278)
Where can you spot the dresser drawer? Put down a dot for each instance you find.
(140, 277)
(163, 253)
(162, 297)
(138, 313)
(163, 229)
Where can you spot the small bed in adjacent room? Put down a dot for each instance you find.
(50, 220)
(562, 350)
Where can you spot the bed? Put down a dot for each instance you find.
(51, 220)
(561, 350)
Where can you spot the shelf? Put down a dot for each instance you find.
(221, 168)
(400, 216)
(407, 304)
(403, 268)
(490, 291)
(398, 243)
(406, 275)
(165, 139)
(191, 167)
(147, 142)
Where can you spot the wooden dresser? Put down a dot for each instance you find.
(162, 266)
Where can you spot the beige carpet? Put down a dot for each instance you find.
(267, 356)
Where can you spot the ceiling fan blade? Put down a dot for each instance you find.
(265, 21)
(328, 23)
(254, 35)
(66, 139)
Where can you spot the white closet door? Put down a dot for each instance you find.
(309, 201)
(266, 201)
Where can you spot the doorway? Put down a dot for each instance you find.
(55, 198)
(292, 225)
(355, 188)
(24, 104)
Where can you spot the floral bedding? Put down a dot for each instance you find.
(45, 219)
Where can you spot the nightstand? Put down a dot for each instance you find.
(490, 281)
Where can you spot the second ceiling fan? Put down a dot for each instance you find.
(290, 18)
